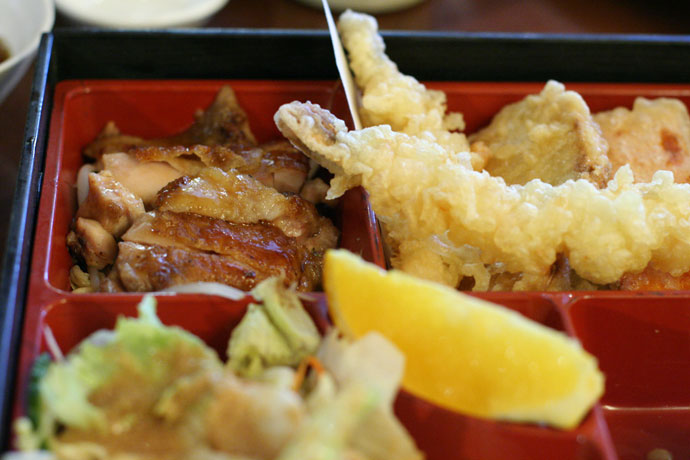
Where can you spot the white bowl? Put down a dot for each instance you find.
(21, 24)
(137, 14)
(367, 6)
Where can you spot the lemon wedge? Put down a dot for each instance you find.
(463, 353)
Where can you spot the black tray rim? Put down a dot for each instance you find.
(16, 262)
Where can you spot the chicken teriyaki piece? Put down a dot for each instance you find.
(210, 204)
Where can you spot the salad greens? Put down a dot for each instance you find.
(146, 390)
(277, 332)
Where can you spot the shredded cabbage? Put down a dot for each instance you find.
(348, 403)
(277, 333)
(137, 344)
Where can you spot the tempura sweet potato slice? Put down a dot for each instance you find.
(549, 136)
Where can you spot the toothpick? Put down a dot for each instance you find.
(343, 67)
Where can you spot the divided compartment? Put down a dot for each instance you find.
(441, 434)
(479, 102)
(155, 109)
(641, 339)
(643, 347)
(72, 318)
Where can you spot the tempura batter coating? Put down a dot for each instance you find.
(549, 136)
(654, 280)
(413, 184)
(653, 136)
(391, 98)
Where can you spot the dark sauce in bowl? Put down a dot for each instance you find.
(4, 51)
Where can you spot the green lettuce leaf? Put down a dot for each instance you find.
(137, 346)
(256, 344)
(286, 312)
(279, 332)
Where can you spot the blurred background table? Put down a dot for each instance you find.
(547, 16)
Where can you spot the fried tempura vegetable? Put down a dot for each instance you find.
(411, 182)
(654, 280)
(391, 98)
(548, 136)
(653, 136)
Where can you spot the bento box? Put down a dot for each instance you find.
(152, 82)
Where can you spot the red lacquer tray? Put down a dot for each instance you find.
(642, 340)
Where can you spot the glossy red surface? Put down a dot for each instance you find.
(443, 434)
(642, 340)
(643, 346)
(637, 433)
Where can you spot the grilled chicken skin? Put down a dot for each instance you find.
(240, 198)
(145, 268)
(224, 122)
(148, 267)
(261, 249)
(275, 164)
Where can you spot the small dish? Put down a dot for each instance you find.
(137, 14)
(368, 6)
(21, 24)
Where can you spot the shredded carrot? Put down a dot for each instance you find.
(307, 363)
